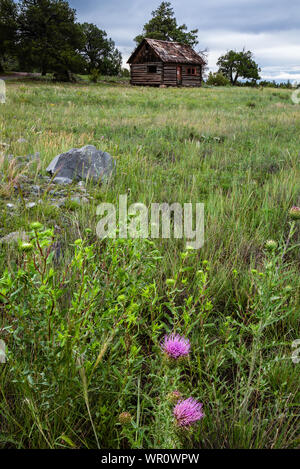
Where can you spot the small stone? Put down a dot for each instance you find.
(22, 140)
(59, 203)
(36, 189)
(10, 205)
(30, 205)
(80, 200)
(62, 180)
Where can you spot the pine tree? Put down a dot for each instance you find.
(8, 29)
(163, 25)
(49, 37)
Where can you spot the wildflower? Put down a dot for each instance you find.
(187, 412)
(271, 245)
(174, 396)
(175, 346)
(125, 418)
(294, 213)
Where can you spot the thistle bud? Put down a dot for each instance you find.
(294, 213)
(271, 245)
(174, 397)
(125, 418)
(36, 226)
(26, 247)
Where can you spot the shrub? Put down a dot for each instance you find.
(217, 79)
(94, 75)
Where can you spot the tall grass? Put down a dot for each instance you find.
(83, 330)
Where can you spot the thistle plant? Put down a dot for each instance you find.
(175, 346)
(187, 412)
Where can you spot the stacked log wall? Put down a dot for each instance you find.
(166, 74)
(170, 75)
(141, 76)
(191, 80)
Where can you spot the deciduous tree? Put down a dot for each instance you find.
(99, 51)
(235, 65)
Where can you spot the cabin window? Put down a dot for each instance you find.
(191, 71)
(152, 69)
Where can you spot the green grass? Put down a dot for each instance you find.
(235, 150)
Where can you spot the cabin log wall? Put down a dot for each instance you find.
(191, 80)
(140, 75)
(167, 56)
(166, 74)
(170, 75)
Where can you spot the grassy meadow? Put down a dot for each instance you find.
(83, 329)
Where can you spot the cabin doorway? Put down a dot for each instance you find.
(179, 75)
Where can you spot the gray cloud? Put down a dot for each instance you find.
(270, 28)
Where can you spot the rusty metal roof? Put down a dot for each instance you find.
(169, 51)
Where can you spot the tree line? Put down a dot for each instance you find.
(44, 36)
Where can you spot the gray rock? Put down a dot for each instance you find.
(82, 164)
(22, 140)
(14, 237)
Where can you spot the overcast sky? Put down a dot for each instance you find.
(269, 28)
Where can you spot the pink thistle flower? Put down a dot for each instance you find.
(175, 346)
(187, 412)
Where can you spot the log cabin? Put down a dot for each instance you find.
(165, 63)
